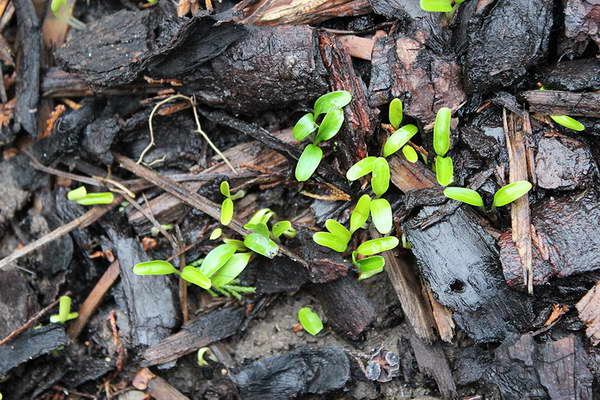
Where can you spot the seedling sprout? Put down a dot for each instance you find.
(331, 105)
(64, 311)
(310, 321)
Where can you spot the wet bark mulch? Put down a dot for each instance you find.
(476, 305)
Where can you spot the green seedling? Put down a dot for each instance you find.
(284, 228)
(63, 10)
(92, 199)
(360, 214)
(511, 192)
(77, 194)
(261, 244)
(227, 205)
(217, 271)
(337, 237)
(381, 214)
(505, 195)
(371, 264)
(215, 234)
(307, 127)
(310, 321)
(64, 311)
(399, 139)
(444, 170)
(441, 131)
(566, 121)
(445, 6)
(464, 195)
(202, 352)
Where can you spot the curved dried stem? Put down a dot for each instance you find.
(198, 128)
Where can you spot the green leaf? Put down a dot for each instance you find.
(304, 127)
(361, 168)
(331, 241)
(64, 308)
(96, 198)
(195, 276)
(436, 5)
(380, 180)
(157, 267)
(568, 122)
(310, 321)
(410, 153)
(283, 228)
(395, 113)
(465, 195)
(56, 5)
(370, 266)
(511, 192)
(398, 139)
(55, 319)
(308, 162)
(263, 215)
(216, 258)
(331, 101)
(224, 187)
(441, 131)
(381, 214)
(261, 228)
(238, 195)
(77, 194)
(261, 245)
(444, 170)
(216, 234)
(338, 230)
(239, 245)
(378, 245)
(330, 126)
(360, 214)
(231, 270)
(226, 211)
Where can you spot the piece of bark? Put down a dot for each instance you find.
(589, 312)
(297, 12)
(432, 360)
(519, 211)
(582, 20)
(128, 43)
(572, 76)
(502, 41)
(407, 286)
(150, 300)
(554, 102)
(566, 242)
(459, 261)
(17, 301)
(57, 83)
(300, 372)
(349, 311)
(30, 345)
(29, 60)
(357, 46)
(564, 163)
(94, 299)
(235, 79)
(199, 332)
(405, 66)
(361, 120)
(156, 386)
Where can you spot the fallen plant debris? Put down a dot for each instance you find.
(277, 199)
